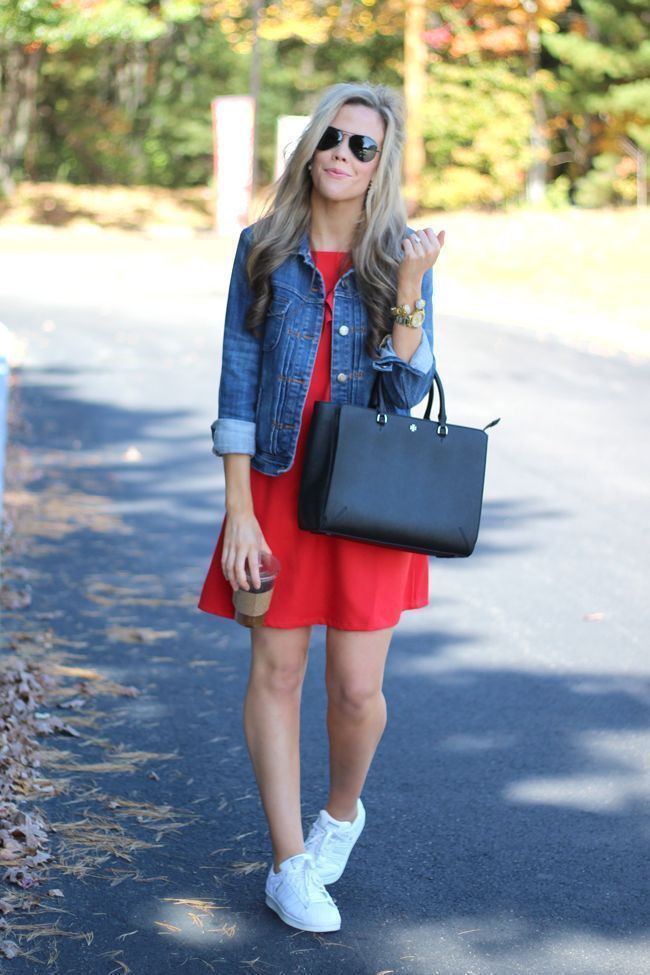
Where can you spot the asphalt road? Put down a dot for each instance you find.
(508, 801)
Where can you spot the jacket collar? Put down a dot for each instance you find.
(304, 249)
(305, 252)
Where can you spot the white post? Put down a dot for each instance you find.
(233, 125)
(289, 130)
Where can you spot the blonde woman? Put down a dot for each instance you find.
(309, 317)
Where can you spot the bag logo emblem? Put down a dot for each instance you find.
(413, 428)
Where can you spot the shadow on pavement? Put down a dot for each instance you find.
(505, 826)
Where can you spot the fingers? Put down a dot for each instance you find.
(423, 245)
(407, 245)
(233, 566)
(228, 559)
(254, 567)
(424, 240)
(240, 569)
(241, 560)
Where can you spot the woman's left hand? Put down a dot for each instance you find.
(421, 250)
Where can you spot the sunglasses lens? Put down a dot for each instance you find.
(364, 148)
(331, 137)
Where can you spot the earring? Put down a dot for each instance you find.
(309, 167)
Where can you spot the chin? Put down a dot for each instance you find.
(343, 196)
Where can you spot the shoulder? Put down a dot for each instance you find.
(255, 230)
(246, 236)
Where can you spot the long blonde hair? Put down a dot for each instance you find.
(376, 246)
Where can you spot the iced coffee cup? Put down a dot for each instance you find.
(251, 605)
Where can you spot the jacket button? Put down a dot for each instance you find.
(343, 330)
(341, 378)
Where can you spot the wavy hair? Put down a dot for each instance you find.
(376, 245)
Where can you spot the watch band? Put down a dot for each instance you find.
(403, 314)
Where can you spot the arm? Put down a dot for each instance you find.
(406, 355)
(234, 430)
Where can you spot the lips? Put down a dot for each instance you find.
(336, 172)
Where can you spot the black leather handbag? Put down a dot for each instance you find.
(394, 480)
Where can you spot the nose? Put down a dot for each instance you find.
(342, 148)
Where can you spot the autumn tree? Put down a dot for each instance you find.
(603, 98)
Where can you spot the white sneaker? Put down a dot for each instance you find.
(297, 894)
(331, 840)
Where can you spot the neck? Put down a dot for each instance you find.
(333, 223)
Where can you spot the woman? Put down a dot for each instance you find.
(311, 314)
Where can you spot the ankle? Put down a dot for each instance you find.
(345, 814)
(281, 857)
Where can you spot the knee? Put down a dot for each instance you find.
(354, 699)
(278, 678)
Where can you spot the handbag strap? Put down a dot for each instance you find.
(378, 400)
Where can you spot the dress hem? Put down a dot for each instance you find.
(323, 622)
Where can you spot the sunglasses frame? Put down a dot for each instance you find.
(351, 135)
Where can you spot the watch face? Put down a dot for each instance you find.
(417, 319)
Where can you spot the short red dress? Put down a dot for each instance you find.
(332, 581)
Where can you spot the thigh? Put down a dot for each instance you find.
(357, 658)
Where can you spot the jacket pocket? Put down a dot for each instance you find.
(274, 322)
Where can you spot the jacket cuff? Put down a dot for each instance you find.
(230, 436)
(421, 361)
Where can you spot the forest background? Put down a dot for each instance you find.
(542, 101)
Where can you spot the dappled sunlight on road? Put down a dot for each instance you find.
(194, 920)
(611, 791)
(479, 945)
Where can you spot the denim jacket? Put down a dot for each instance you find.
(264, 381)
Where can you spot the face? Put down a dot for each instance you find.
(336, 173)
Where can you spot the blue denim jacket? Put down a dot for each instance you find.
(264, 381)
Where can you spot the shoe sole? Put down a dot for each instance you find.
(294, 922)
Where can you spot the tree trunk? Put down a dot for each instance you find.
(536, 179)
(415, 78)
(255, 84)
(17, 110)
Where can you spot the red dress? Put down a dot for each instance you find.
(333, 581)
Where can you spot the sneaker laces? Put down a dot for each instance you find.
(332, 836)
(307, 882)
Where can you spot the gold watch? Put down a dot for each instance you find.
(403, 314)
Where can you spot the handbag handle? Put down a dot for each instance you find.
(378, 401)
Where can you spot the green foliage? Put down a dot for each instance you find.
(477, 128)
(60, 25)
(139, 114)
(558, 193)
(603, 94)
(605, 184)
(124, 89)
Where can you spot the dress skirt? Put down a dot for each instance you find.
(336, 582)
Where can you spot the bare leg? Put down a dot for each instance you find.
(356, 714)
(272, 727)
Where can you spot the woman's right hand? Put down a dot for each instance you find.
(242, 542)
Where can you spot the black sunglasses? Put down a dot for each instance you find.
(363, 147)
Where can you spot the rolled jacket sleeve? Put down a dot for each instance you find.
(233, 432)
(230, 436)
(406, 383)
